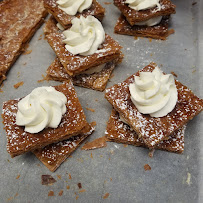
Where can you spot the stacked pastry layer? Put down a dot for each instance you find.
(128, 125)
(51, 145)
(90, 71)
(144, 18)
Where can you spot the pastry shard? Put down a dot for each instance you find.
(133, 16)
(76, 64)
(53, 155)
(96, 81)
(119, 132)
(72, 124)
(64, 19)
(159, 31)
(19, 20)
(154, 130)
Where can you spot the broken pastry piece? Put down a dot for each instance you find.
(159, 31)
(47, 115)
(120, 132)
(154, 114)
(64, 13)
(53, 155)
(144, 18)
(19, 20)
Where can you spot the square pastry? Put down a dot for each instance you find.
(53, 155)
(154, 129)
(159, 31)
(65, 19)
(20, 141)
(75, 64)
(166, 7)
(120, 132)
(94, 80)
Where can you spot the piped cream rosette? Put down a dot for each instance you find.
(154, 93)
(42, 108)
(71, 7)
(139, 5)
(85, 36)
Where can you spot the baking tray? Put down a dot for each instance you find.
(116, 169)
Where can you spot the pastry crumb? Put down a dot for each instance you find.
(106, 196)
(90, 109)
(17, 85)
(44, 78)
(40, 37)
(67, 187)
(69, 175)
(107, 3)
(83, 190)
(79, 185)
(147, 167)
(27, 52)
(51, 193)
(47, 180)
(95, 144)
(18, 176)
(61, 193)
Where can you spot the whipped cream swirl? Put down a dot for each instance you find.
(85, 36)
(71, 7)
(42, 108)
(151, 21)
(154, 93)
(139, 5)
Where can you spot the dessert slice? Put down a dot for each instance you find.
(75, 64)
(154, 129)
(120, 132)
(72, 123)
(53, 155)
(65, 19)
(139, 15)
(94, 80)
(19, 20)
(159, 31)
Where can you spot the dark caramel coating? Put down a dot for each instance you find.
(96, 81)
(64, 19)
(117, 131)
(72, 123)
(154, 130)
(19, 19)
(134, 16)
(53, 155)
(159, 31)
(75, 64)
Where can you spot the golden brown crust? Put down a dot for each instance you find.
(154, 130)
(133, 16)
(64, 19)
(53, 155)
(19, 20)
(159, 31)
(75, 64)
(96, 81)
(117, 131)
(19, 141)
